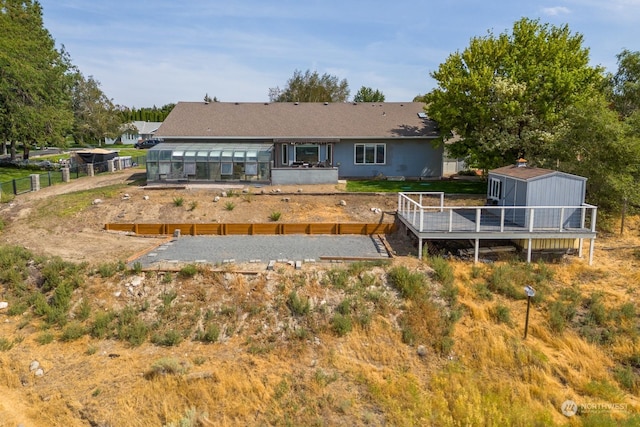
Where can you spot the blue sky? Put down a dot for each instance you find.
(147, 53)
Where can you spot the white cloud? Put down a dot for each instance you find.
(556, 10)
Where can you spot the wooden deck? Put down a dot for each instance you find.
(428, 218)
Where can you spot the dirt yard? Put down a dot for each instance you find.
(78, 234)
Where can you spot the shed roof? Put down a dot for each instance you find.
(298, 120)
(527, 173)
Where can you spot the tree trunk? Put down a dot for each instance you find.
(25, 152)
(13, 150)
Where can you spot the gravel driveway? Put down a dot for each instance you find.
(263, 248)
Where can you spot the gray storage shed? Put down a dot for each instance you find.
(521, 185)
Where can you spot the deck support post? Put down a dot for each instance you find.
(419, 247)
(580, 243)
(529, 251)
(476, 250)
(591, 247)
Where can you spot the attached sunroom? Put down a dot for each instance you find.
(209, 162)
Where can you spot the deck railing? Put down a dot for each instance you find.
(426, 212)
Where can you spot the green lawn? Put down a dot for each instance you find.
(9, 174)
(446, 186)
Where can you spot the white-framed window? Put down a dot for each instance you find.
(495, 189)
(370, 154)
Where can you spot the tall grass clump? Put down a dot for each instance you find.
(299, 305)
(426, 320)
(188, 271)
(409, 283)
(178, 201)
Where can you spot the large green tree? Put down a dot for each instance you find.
(311, 87)
(367, 94)
(34, 79)
(95, 115)
(626, 83)
(509, 95)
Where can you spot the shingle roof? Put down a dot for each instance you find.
(294, 120)
(527, 173)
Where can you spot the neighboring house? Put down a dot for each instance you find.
(134, 132)
(295, 143)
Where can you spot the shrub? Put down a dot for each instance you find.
(83, 311)
(627, 378)
(107, 270)
(229, 206)
(178, 201)
(501, 314)
(193, 205)
(275, 216)
(44, 338)
(168, 338)
(410, 284)
(597, 311)
(188, 271)
(73, 331)
(210, 334)
(560, 313)
(166, 366)
(443, 271)
(101, 324)
(299, 306)
(340, 324)
(483, 292)
(338, 278)
(168, 297)
(501, 281)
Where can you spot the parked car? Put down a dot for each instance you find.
(148, 143)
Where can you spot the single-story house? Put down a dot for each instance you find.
(295, 143)
(134, 132)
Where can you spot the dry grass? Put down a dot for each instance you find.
(274, 364)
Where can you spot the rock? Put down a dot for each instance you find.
(223, 194)
(117, 294)
(34, 365)
(126, 196)
(39, 372)
(216, 199)
(3, 304)
(145, 197)
(136, 281)
(286, 199)
(278, 190)
(299, 190)
(342, 203)
(96, 201)
(422, 351)
(245, 190)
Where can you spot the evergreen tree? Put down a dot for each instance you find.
(34, 79)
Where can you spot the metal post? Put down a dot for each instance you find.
(530, 294)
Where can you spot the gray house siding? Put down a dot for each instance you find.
(554, 189)
(420, 158)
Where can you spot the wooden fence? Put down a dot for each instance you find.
(253, 229)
